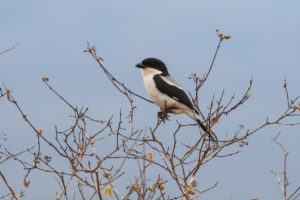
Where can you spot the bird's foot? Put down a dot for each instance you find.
(162, 116)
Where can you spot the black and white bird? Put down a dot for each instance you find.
(166, 92)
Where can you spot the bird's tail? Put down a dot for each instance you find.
(211, 136)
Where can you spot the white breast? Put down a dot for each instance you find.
(153, 92)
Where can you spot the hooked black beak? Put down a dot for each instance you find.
(140, 65)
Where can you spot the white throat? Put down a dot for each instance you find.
(150, 72)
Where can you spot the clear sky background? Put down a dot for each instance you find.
(53, 34)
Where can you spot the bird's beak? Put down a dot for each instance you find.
(140, 65)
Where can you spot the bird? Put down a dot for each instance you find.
(166, 93)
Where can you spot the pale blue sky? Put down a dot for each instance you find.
(52, 34)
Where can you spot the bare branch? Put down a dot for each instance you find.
(120, 86)
(284, 183)
(12, 192)
(9, 49)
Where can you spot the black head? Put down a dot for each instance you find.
(153, 63)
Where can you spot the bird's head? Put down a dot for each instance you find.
(153, 64)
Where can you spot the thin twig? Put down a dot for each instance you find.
(9, 49)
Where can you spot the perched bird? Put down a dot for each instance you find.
(166, 92)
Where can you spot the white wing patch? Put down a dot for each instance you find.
(176, 98)
(171, 81)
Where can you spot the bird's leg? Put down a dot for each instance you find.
(162, 116)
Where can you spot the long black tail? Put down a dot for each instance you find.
(210, 135)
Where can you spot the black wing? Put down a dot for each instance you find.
(173, 92)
